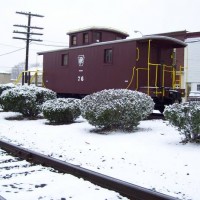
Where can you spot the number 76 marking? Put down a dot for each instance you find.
(80, 78)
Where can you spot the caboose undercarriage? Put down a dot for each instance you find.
(171, 96)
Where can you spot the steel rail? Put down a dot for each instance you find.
(1, 198)
(126, 189)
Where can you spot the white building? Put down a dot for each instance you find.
(192, 64)
(5, 75)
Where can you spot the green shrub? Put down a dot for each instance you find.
(43, 94)
(186, 118)
(61, 110)
(116, 109)
(4, 87)
(26, 100)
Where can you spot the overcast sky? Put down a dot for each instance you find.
(61, 16)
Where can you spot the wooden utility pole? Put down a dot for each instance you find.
(28, 38)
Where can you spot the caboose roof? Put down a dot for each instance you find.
(98, 29)
(163, 41)
(186, 34)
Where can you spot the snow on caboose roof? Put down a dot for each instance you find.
(98, 28)
(165, 40)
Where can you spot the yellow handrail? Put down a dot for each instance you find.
(154, 64)
(18, 78)
(179, 80)
(138, 54)
(34, 76)
(173, 72)
(164, 69)
(163, 81)
(148, 78)
(21, 74)
(156, 79)
(132, 77)
(137, 76)
(173, 78)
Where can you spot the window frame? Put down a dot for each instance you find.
(98, 36)
(86, 39)
(108, 56)
(63, 59)
(74, 40)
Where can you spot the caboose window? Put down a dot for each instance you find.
(85, 38)
(97, 36)
(108, 54)
(74, 40)
(64, 59)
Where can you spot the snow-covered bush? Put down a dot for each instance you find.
(116, 109)
(25, 99)
(61, 110)
(186, 117)
(42, 94)
(6, 87)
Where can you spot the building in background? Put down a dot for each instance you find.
(5, 75)
(14, 74)
(192, 62)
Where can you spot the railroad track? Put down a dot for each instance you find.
(24, 180)
(125, 189)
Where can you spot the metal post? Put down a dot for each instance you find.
(22, 78)
(36, 78)
(148, 78)
(28, 77)
(27, 48)
(28, 39)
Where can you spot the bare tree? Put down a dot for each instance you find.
(19, 68)
(16, 70)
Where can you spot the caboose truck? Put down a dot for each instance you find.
(102, 58)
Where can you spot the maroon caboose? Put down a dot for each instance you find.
(102, 58)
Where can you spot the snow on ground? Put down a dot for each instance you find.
(151, 157)
(26, 181)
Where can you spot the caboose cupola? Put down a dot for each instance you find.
(92, 35)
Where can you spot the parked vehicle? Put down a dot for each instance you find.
(194, 96)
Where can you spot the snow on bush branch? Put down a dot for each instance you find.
(61, 110)
(6, 87)
(116, 109)
(25, 99)
(186, 117)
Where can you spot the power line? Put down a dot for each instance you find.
(8, 45)
(48, 45)
(4, 54)
(12, 51)
(54, 41)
